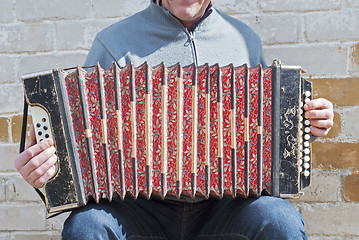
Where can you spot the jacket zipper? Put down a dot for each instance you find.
(190, 35)
(191, 38)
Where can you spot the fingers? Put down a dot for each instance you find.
(321, 115)
(42, 174)
(32, 151)
(319, 127)
(32, 140)
(37, 163)
(319, 132)
(320, 123)
(319, 103)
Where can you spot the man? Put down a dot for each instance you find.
(172, 31)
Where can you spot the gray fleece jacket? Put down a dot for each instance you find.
(155, 35)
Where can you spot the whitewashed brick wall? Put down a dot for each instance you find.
(320, 35)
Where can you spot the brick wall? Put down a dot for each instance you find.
(320, 35)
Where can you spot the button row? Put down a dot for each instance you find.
(304, 138)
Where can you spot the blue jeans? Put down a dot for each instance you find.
(228, 218)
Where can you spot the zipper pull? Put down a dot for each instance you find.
(191, 36)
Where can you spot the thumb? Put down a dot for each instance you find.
(32, 140)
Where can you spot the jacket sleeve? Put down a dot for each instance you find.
(99, 54)
(262, 60)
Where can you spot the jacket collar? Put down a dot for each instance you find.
(166, 18)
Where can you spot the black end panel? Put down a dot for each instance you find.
(289, 131)
(40, 90)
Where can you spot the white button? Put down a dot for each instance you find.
(306, 159)
(307, 94)
(306, 151)
(306, 173)
(306, 165)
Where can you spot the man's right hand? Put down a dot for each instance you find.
(37, 163)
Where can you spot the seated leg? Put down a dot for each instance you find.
(262, 218)
(93, 222)
(115, 220)
(228, 218)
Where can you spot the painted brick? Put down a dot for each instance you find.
(325, 187)
(55, 9)
(354, 60)
(103, 8)
(36, 236)
(293, 5)
(16, 126)
(22, 217)
(236, 6)
(311, 58)
(355, 53)
(27, 37)
(4, 129)
(341, 92)
(6, 11)
(350, 129)
(17, 189)
(335, 156)
(8, 153)
(353, 3)
(5, 236)
(72, 35)
(44, 62)
(11, 98)
(351, 188)
(283, 28)
(57, 222)
(7, 69)
(2, 189)
(334, 132)
(333, 26)
(331, 219)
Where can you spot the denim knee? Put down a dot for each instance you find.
(92, 222)
(277, 218)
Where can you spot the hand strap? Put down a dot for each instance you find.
(23, 139)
